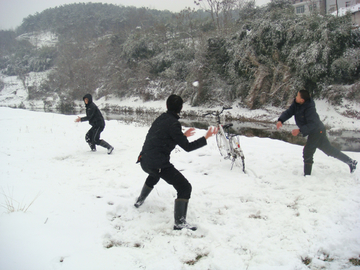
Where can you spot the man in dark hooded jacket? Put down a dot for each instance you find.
(164, 134)
(309, 123)
(96, 120)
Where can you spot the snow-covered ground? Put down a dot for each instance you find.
(81, 213)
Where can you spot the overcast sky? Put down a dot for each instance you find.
(12, 12)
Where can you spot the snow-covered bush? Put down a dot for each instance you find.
(280, 53)
(347, 68)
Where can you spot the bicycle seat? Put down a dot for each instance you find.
(227, 126)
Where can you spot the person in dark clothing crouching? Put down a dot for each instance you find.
(96, 120)
(164, 134)
(309, 123)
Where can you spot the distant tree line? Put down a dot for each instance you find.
(232, 49)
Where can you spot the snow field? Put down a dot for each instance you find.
(83, 216)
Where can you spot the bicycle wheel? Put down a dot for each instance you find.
(238, 154)
(222, 144)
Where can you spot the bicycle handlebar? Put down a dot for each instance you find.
(217, 113)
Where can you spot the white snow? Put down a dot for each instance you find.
(15, 90)
(40, 39)
(83, 216)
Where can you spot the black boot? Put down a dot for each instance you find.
(352, 164)
(144, 193)
(307, 168)
(93, 147)
(344, 158)
(180, 215)
(107, 146)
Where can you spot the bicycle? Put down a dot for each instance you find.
(228, 144)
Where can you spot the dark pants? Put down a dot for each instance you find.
(172, 176)
(319, 140)
(93, 135)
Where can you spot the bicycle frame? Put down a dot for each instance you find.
(229, 141)
(221, 130)
(226, 141)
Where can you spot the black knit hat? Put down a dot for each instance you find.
(174, 103)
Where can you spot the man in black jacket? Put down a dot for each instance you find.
(164, 134)
(309, 123)
(96, 120)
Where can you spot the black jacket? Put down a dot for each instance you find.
(93, 114)
(306, 117)
(164, 134)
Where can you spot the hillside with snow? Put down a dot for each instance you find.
(253, 57)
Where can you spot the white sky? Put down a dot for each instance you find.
(12, 12)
